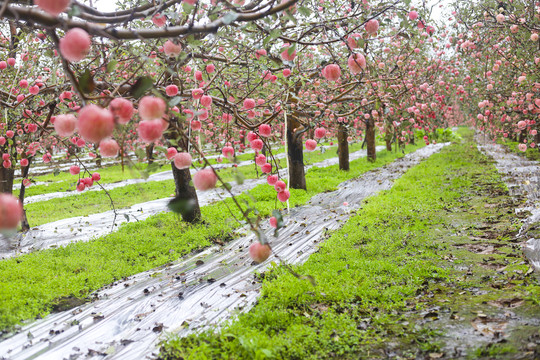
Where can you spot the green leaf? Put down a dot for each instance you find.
(291, 49)
(239, 178)
(152, 167)
(279, 218)
(142, 84)
(111, 66)
(141, 154)
(181, 206)
(145, 175)
(304, 11)
(187, 7)
(175, 101)
(230, 17)
(161, 149)
(86, 82)
(193, 42)
(74, 11)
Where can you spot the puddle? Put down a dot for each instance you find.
(131, 316)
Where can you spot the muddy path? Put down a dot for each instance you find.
(83, 228)
(522, 177)
(130, 317)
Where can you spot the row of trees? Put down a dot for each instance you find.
(497, 43)
(180, 76)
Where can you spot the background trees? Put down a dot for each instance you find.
(177, 79)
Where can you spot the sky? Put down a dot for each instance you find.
(110, 5)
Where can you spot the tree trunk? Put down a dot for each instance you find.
(297, 175)
(343, 148)
(25, 226)
(388, 138)
(370, 140)
(98, 155)
(522, 135)
(186, 195)
(6, 180)
(150, 153)
(186, 201)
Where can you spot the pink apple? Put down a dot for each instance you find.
(53, 7)
(108, 148)
(122, 110)
(182, 160)
(75, 45)
(259, 252)
(65, 125)
(10, 212)
(151, 107)
(94, 123)
(205, 179)
(150, 130)
(311, 145)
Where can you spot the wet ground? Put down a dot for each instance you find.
(128, 318)
(522, 177)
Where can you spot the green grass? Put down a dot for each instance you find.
(93, 202)
(376, 274)
(531, 153)
(64, 181)
(32, 284)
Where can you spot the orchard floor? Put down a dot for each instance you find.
(127, 319)
(431, 269)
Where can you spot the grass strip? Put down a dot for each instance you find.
(35, 284)
(64, 181)
(93, 202)
(398, 274)
(531, 153)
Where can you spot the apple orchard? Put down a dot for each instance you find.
(170, 81)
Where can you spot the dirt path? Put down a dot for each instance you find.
(128, 318)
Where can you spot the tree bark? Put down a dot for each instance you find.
(297, 175)
(186, 195)
(98, 156)
(522, 135)
(150, 153)
(343, 148)
(6, 180)
(370, 140)
(388, 138)
(25, 226)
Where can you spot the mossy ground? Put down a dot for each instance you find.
(33, 285)
(429, 269)
(531, 153)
